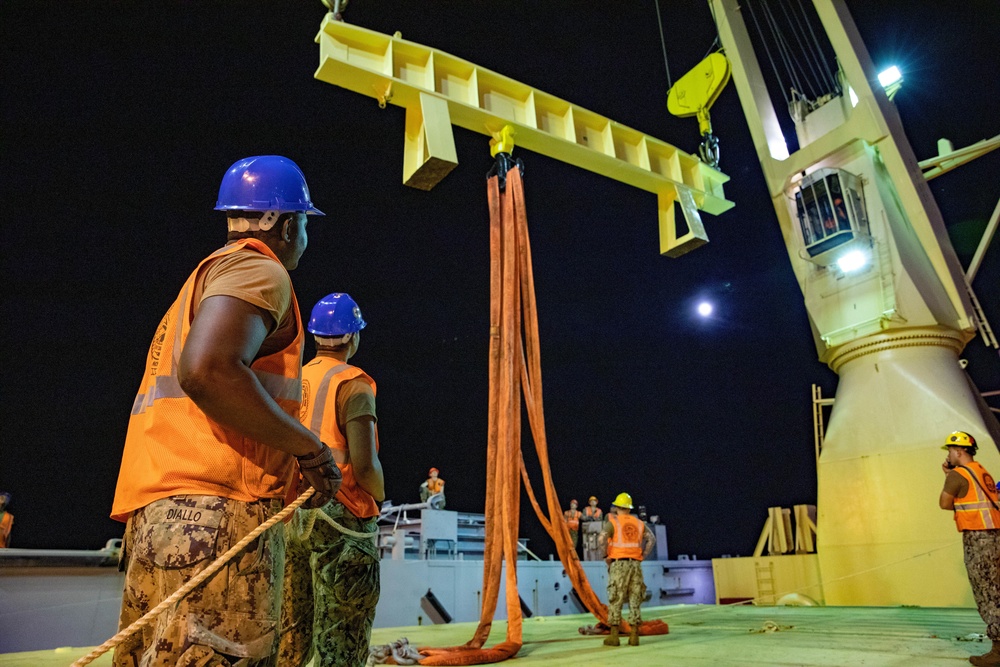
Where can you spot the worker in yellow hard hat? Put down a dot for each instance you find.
(628, 542)
(970, 491)
(433, 486)
(592, 512)
(591, 519)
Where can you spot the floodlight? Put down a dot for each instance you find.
(852, 261)
(891, 79)
(890, 76)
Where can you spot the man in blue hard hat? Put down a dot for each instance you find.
(332, 575)
(214, 442)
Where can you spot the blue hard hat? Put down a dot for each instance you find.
(335, 315)
(265, 183)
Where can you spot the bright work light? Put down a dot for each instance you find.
(891, 79)
(890, 76)
(852, 261)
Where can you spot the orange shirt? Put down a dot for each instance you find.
(323, 413)
(572, 518)
(435, 485)
(171, 447)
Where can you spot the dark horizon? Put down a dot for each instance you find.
(121, 119)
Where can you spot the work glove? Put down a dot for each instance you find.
(321, 473)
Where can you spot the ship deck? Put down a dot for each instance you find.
(706, 635)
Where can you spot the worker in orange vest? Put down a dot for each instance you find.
(628, 541)
(971, 493)
(214, 440)
(6, 520)
(572, 519)
(331, 577)
(592, 512)
(592, 518)
(432, 486)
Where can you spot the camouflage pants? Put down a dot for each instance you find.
(574, 538)
(625, 582)
(982, 562)
(228, 621)
(331, 589)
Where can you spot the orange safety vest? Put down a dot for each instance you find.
(627, 540)
(321, 378)
(435, 485)
(977, 510)
(6, 524)
(572, 519)
(592, 512)
(172, 448)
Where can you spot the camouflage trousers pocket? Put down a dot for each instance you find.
(220, 640)
(175, 533)
(353, 577)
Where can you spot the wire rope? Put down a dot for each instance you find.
(663, 43)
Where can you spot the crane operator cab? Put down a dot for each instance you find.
(832, 217)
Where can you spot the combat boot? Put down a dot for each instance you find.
(612, 639)
(633, 636)
(990, 659)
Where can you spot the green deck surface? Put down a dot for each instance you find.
(705, 635)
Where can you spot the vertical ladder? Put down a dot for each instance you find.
(765, 582)
(984, 325)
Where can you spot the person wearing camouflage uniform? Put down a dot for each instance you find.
(332, 572)
(628, 541)
(970, 491)
(213, 438)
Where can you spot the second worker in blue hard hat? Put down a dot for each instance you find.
(332, 577)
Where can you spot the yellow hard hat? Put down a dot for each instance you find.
(623, 500)
(591, 498)
(959, 439)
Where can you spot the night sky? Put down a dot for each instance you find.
(119, 120)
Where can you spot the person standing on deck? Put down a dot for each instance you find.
(332, 578)
(6, 520)
(214, 442)
(628, 541)
(572, 519)
(971, 493)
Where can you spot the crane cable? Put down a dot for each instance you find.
(196, 581)
(663, 43)
(803, 62)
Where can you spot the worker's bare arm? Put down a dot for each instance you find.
(214, 371)
(946, 501)
(648, 542)
(364, 457)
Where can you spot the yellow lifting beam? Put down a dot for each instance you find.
(439, 90)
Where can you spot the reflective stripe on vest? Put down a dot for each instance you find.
(627, 540)
(326, 375)
(977, 510)
(173, 448)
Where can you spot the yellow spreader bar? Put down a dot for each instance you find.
(439, 90)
